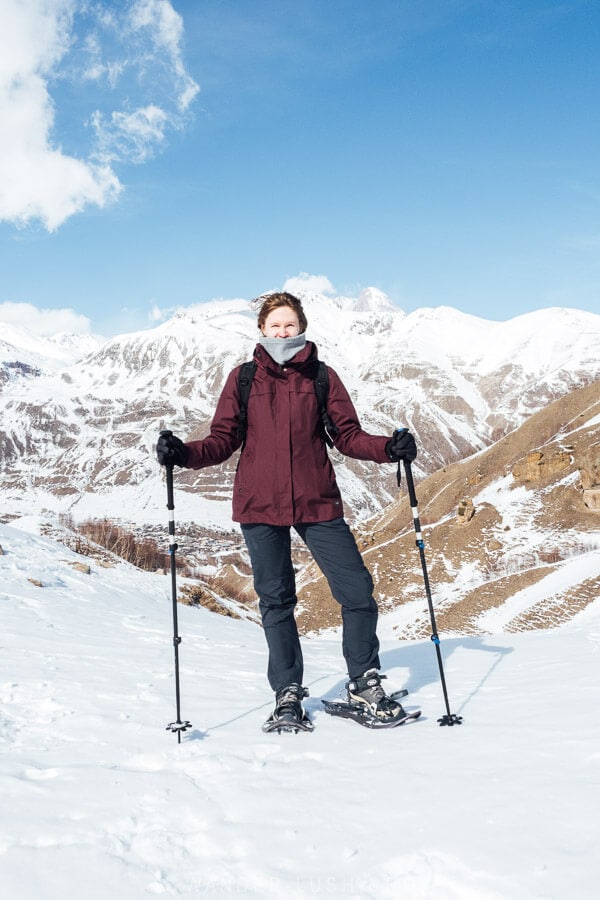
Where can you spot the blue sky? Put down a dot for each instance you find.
(158, 154)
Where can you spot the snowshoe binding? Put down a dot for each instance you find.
(288, 714)
(368, 704)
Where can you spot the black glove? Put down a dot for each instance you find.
(401, 446)
(170, 451)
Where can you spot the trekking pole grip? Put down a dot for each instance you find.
(410, 483)
(169, 473)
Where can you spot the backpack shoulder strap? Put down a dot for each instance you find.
(245, 376)
(321, 383)
(322, 392)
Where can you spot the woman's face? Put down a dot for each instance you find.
(282, 323)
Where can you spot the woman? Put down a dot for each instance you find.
(285, 480)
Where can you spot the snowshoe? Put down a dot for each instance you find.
(288, 714)
(360, 714)
(369, 705)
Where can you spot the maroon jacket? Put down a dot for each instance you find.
(284, 474)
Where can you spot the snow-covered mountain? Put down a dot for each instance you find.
(81, 437)
(25, 353)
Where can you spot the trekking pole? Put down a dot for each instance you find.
(449, 718)
(177, 726)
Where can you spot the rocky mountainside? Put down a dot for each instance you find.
(77, 428)
(502, 529)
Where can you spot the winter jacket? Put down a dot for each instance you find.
(284, 474)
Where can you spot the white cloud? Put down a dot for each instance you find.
(309, 284)
(38, 181)
(96, 68)
(165, 27)
(44, 322)
(130, 136)
(130, 55)
(156, 314)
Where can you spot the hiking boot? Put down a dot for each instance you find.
(367, 692)
(288, 703)
(288, 714)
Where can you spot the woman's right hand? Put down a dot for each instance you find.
(170, 450)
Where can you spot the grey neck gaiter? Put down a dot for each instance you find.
(283, 349)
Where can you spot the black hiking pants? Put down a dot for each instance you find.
(334, 549)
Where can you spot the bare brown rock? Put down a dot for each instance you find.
(538, 465)
(465, 511)
(591, 498)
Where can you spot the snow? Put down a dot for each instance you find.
(99, 799)
(570, 574)
(48, 353)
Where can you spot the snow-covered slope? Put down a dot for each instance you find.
(99, 799)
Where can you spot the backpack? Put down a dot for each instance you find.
(321, 382)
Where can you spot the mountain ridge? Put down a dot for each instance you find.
(81, 436)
